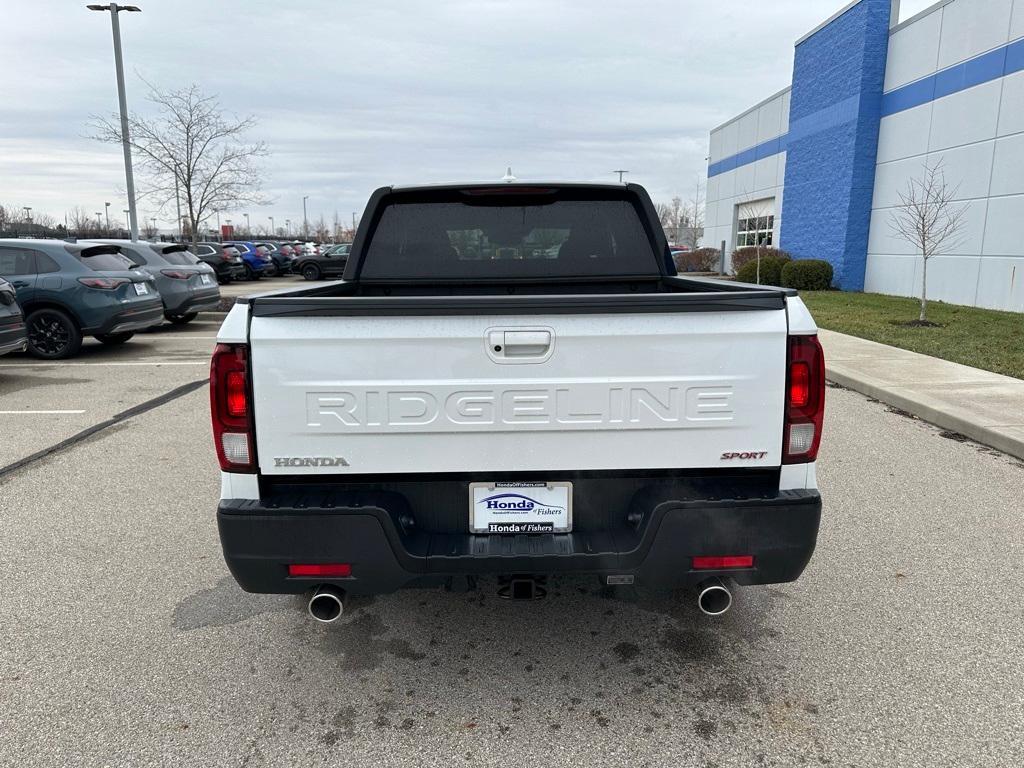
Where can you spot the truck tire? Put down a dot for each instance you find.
(52, 334)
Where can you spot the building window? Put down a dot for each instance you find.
(755, 230)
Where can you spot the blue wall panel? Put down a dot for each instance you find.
(834, 114)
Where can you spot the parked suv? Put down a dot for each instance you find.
(71, 290)
(223, 259)
(257, 264)
(281, 254)
(13, 337)
(329, 263)
(186, 285)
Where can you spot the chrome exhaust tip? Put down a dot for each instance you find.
(713, 597)
(327, 604)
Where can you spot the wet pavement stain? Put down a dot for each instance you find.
(223, 605)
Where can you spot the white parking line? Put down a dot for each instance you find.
(39, 413)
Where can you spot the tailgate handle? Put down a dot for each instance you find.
(519, 344)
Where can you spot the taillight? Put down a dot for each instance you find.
(103, 283)
(177, 275)
(805, 400)
(230, 409)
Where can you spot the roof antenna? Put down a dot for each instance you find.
(508, 178)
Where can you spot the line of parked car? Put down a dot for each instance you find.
(251, 260)
(53, 293)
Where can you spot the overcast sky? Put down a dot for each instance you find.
(354, 95)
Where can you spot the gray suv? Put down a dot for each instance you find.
(71, 290)
(187, 286)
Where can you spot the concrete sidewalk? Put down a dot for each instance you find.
(986, 407)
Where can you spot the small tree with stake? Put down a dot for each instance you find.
(192, 152)
(929, 220)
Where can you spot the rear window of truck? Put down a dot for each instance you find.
(501, 237)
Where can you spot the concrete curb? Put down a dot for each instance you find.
(934, 413)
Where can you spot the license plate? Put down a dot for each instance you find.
(141, 289)
(512, 508)
(204, 279)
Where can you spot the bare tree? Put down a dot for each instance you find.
(756, 210)
(194, 152)
(692, 220)
(149, 231)
(929, 220)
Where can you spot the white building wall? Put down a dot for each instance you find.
(754, 181)
(978, 135)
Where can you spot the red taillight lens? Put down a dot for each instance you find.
(805, 400)
(799, 384)
(722, 562)
(103, 283)
(324, 570)
(233, 433)
(235, 395)
(177, 275)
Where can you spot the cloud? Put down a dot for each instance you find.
(351, 96)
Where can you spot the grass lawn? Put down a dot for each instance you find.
(982, 338)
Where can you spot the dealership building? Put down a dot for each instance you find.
(818, 168)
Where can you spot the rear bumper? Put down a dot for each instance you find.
(136, 318)
(363, 528)
(209, 299)
(13, 336)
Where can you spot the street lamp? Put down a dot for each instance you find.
(621, 174)
(127, 218)
(106, 207)
(28, 213)
(99, 223)
(287, 227)
(122, 100)
(305, 219)
(247, 229)
(272, 230)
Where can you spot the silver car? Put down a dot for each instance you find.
(187, 285)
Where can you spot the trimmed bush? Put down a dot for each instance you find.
(771, 270)
(701, 260)
(748, 253)
(807, 275)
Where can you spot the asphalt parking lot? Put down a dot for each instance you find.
(123, 641)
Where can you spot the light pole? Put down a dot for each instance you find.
(122, 100)
(152, 221)
(99, 222)
(621, 174)
(28, 214)
(248, 231)
(273, 232)
(305, 219)
(106, 208)
(287, 227)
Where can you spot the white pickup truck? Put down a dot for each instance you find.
(512, 381)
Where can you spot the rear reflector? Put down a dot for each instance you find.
(721, 562)
(325, 570)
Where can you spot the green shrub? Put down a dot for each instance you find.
(748, 253)
(807, 275)
(771, 270)
(700, 260)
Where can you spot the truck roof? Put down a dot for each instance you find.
(510, 184)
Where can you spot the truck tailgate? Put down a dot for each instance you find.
(368, 395)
